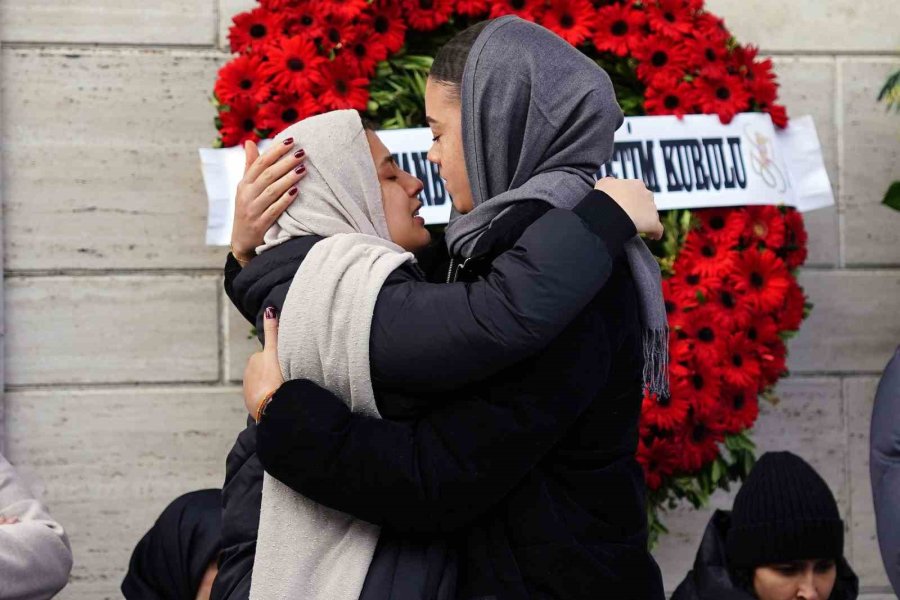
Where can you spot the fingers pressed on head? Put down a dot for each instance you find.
(280, 176)
(275, 210)
(269, 157)
(278, 179)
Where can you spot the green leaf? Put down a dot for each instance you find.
(892, 197)
(890, 93)
(717, 470)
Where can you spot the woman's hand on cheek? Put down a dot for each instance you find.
(262, 377)
(268, 187)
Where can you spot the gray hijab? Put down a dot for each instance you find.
(538, 119)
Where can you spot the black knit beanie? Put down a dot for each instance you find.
(783, 512)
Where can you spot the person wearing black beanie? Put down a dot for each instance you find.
(783, 540)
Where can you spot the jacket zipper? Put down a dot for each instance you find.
(450, 274)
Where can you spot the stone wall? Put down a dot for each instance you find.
(123, 357)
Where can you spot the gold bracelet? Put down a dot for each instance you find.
(263, 403)
(241, 261)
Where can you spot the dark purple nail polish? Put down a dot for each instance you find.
(300, 170)
(270, 312)
(288, 141)
(292, 192)
(299, 153)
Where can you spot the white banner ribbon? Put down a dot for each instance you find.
(694, 162)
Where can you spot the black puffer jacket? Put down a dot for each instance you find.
(711, 578)
(474, 329)
(531, 473)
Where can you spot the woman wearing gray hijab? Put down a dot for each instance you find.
(533, 476)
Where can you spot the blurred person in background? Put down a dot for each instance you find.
(884, 468)
(35, 556)
(783, 540)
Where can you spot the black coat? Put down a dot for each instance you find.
(711, 579)
(532, 472)
(533, 291)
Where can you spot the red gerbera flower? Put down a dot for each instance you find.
(274, 5)
(572, 20)
(530, 10)
(471, 8)
(388, 26)
(661, 63)
(765, 225)
(772, 362)
(762, 277)
(426, 15)
(762, 331)
(348, 9)
(763, 93)
(688, 289)
(677, 100)
(367, 51)
(680, 350)
(658, 460)
(674, 310)
(304, 19)
(731, 312)
(285, 110)
(238, 122)
(740, 366)
(619, 29)
(794, 251)
(241, 78)
(758, 71)
(708, 56)
(711, 27)
(672, 18)
(342, 87)
(293, 65)
(698, 441)
(741, 407)
(252, 29)
(706, 257)
(724, 96)
(794, 307)
(698, 382)
(707, 339)
(779, 115)
(664, 413)
(334, 28)
(723, 225)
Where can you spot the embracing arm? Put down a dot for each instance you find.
(437, 336)
(445, 469)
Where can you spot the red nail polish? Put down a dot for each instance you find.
(300, 170)
(288, 141)
(299, 153)
(270, 312)
(292, 192)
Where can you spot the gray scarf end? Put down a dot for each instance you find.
(656, 361)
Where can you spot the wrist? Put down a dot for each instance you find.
(241, 255)
(262, 405)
